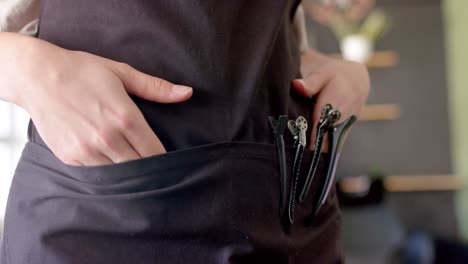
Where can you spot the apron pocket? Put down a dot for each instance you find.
(207, 204)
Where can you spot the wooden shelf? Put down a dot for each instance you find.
(383, 59)
(380, 59)
(401, 183)
(422, 183)
(380, 112)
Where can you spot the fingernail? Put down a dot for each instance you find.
(181, 89)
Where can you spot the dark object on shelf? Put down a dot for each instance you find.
(421, 248)
(450, 251)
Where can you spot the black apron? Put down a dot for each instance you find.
(214, 197)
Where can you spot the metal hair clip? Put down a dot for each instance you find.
(328, 118)
(298, 129)
(336, 137)
(278, 127)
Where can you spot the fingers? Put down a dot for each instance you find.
(149, 87)
(115, 147)
(82, 155)
(106, 146)
(311, 86)
(314, 85)
(144, 140)
(132, 139)
(138, 133)
(146, 86)
(93, 159)
(121, 137)
(344, 85)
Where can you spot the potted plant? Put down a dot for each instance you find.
(357, 24)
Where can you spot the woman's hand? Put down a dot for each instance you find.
(81, 107)
(343, 84)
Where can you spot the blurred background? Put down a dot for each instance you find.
(13, 128)
(403, 174)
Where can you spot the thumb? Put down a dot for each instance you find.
(149, 87)
(311, 85)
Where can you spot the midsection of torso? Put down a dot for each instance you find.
(239, 56)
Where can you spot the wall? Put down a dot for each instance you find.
(456, 23)
(419, 143)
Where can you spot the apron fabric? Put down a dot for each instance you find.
(214, 197)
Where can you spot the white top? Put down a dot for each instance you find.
(23, 16)
(19, 15)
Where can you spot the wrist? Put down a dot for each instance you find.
(33, 61)
(14, 49)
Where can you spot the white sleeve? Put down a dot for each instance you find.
(19, 16)
(301, 29)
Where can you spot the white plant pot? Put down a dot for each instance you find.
(356, 48)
